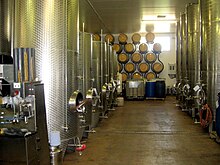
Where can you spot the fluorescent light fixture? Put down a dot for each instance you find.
(159, 17)
(159, 21)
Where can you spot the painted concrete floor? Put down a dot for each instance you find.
(149, 132)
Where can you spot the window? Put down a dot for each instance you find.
(164, 41)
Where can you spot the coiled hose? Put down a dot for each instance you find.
(205, 115)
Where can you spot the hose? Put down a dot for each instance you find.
(205, 115)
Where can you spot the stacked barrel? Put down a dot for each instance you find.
(135, 59)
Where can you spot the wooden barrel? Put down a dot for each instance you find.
(150, 37)
(150, 57)
(136, 57)
(124, 76)
(109, 38)
(122, 38)
(143, 48)
(150, 75)
(96, 37)
(157, 67)
(129, 48)
(136, 37)
(120, 67)
(117, 47)
(123, 58)
(130, 67)
(143, 67)
(157, 47)
(137, 75)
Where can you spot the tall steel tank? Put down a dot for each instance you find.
(99, 48)
(184, 86)
(51, 28)
(193, 40)
(84, 66)
(213, 85)
(113, 63)
(205, 41)
(178, 60)
(101, 71)
(6, 26)
(183, 33)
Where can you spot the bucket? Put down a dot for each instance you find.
(117, 47)
(150, 89)
(157, 47)
(143, 48)
(137, 76)
(136, 37)
(130, 67)
(150, 57)
(143, 67)
(157, 67)
(136, 57)
(160, 88)
(150, 75)
(129, 48)
(123, 58)
(122, 38)
(109, 38)
(150, 37)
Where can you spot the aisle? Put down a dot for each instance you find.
(150, 132)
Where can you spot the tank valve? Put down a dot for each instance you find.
(81, 148)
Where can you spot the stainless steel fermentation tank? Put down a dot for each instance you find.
(100, 73)
(86, 69)
(196, 92)
(211, 49)
(183, 85)
(51, 27)
(178, 62)
(193, 51)
(23, 113)
(6, 26)
(105, 71)
(205, 40)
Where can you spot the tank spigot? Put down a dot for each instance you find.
(81, 148)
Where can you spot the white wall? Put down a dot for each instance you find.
(168, 57)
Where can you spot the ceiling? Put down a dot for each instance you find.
(128, 16)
